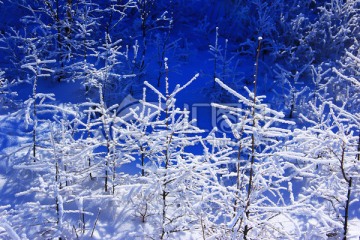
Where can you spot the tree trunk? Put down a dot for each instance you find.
(347, 206)
(247, 212)
(35, 119)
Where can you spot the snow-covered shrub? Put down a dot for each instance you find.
(6, 93)
(347, 81)
(258, 173)
(169, 174)
(291, 88)
(325, 155)
(224, 67)
(47, 171)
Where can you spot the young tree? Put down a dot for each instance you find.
(258, 172)
(347, 82)
(327, 153)
(173, 179)
(257, 193)
(163, 45)
(290, 88)
(172, 134)
(44, 183)
(50, 22)
(223, 68)
(85, 30)
(38, 69)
